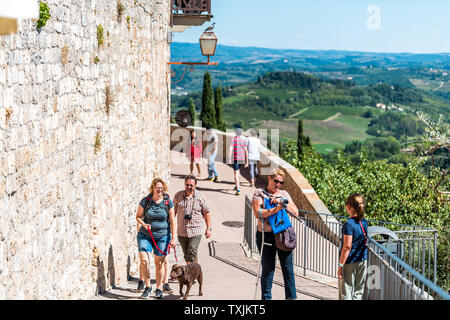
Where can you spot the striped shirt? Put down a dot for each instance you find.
(239, 145)
(196, 207)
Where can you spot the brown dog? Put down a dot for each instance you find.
(186, 275)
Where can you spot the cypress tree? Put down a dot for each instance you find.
(218, 106)
(208, 114)
(302, 140)
(192, 110)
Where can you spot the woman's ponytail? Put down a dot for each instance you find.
(357, 202)
(360, 211)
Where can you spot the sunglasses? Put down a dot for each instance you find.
(189, 185)
(278, 181)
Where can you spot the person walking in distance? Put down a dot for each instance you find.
(253, 145)
(190, 211)
(238, 156)
(353, 254)
(194, 152)
(211, 153)
(156, 215)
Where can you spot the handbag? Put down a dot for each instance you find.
(284, 233)
(286, 240)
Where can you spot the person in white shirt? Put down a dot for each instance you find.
(253, 145)
(211, 153)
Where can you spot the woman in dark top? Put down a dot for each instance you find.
(353, 257)
(159, 217)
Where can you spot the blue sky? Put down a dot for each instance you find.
(416, 26)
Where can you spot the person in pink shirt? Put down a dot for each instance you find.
(238, 156)
(194, 153)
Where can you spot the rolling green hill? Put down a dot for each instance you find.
(335, 112)
(243, 64)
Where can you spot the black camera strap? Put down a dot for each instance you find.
(186, 205)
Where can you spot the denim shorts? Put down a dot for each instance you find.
(145, 244)
(237, 165)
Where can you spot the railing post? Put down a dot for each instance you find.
(304, 250)
(435, 257)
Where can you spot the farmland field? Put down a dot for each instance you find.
(325, 136)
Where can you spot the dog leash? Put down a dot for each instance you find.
(161, 252)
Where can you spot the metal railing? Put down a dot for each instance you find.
(191, 6)
(390, 278)
(318, 241)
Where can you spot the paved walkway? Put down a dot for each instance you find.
(228, 273)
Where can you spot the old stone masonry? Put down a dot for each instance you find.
(84, 127)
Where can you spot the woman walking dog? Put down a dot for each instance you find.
(155, 213)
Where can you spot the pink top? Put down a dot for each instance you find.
(195, 150)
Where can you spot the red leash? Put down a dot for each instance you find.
(161, 252)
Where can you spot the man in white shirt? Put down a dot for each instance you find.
(253, 146)
(211, 153)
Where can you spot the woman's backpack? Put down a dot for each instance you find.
(148, 201)
(286, 240)
(285, 237)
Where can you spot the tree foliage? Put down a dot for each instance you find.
(394, 193)
(303, 141)
(208, 114)
(218, 105)
(192, 110)
(395, 124)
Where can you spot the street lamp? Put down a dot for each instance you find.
(208, 43)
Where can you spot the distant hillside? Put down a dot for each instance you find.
(335, 112)
(243, 64)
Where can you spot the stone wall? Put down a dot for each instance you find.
(83, 130)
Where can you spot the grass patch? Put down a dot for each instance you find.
(100, 35)
(98, 142)
(108, 100)
(344, 129)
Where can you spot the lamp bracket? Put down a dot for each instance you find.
(189, 66)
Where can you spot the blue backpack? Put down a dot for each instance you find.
(279, 221)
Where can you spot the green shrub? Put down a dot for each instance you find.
(100, 35)
(44, 15)
(393, 192)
